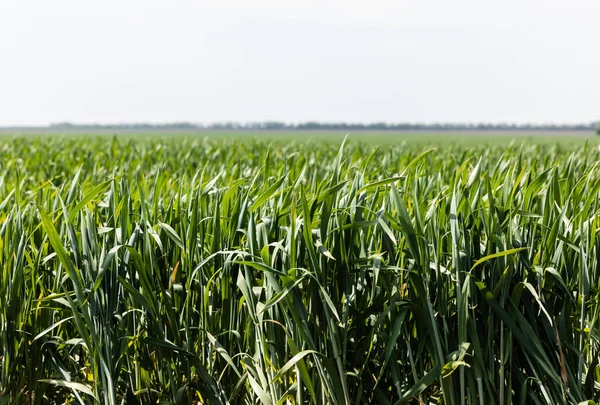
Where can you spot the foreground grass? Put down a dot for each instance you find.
(217, 271)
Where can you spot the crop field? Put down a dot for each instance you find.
(187, 270)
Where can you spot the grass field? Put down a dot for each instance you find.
(226, 268)
(373, 137)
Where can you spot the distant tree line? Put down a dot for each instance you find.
(342, 126)
(140, 126)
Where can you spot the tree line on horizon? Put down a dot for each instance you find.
(310, 125)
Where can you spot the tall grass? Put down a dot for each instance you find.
(205, 271)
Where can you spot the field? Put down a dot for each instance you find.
(372, 137)
(227, 269)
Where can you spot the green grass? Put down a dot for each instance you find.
(190, 269)
(469, 138)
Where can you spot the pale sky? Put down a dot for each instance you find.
(202, 61)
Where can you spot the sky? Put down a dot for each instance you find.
(202, 61)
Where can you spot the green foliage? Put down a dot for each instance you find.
(218, 271)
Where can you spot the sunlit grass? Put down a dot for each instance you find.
(138, 270)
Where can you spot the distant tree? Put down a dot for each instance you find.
(326, 126)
